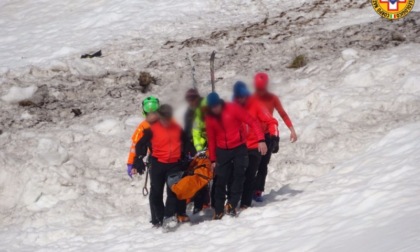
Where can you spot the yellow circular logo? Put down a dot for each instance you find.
(393, 9)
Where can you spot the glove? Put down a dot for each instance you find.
(129, 170)
(275, 141)
(139, 165)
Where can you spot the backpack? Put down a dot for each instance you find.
(198, 175)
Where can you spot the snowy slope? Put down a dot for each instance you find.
(36, 31)
(349, 184)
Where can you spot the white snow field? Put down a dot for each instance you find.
(351, 182)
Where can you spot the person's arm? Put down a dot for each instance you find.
(184, 139)
(211, 140)
(246, 118)
(265, 117)
(278, 106)
(141, 151)
(188, 121)
(137, 135)
(286, 119)
(242, 115)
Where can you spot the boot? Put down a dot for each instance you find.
(230, 210)
(258, 196)
(218, 216)
(183, 218)
(170, 224)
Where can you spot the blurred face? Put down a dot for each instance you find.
(241, 100)
(261, 92)
(217, 110)
(193, 102)
(152, 117)
(165, 121)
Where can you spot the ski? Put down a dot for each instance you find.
(212, 57)
(194, 80)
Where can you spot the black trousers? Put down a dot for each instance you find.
(263, 167)
(159, 173)
(202, 197)
(254, 157)
(230, 172)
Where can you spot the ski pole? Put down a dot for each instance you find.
(212, 78)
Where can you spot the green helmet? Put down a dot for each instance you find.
(150, 104)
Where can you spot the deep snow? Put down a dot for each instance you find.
(349, 184)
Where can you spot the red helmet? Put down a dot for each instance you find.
(261, 81)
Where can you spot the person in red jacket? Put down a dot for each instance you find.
(272, 102)
(227, 148)
(165, 140)
(256, 109)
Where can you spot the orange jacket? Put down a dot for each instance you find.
(137, 135)
(271, 101)
(165, 143)
(267, 122)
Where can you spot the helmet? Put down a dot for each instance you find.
(150, 104)
(213, 100)
(240, 90)
(261, 81)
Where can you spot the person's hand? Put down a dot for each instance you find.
(213, 166)
(130, 170)
(275, 144)
(293, 136)
(138, 166)
(262, 148)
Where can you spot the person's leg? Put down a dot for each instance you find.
(263, 168)
(206, 196)
(157, 185)
(249, 184)
(213, 192)
(240, 163)
(181, 207)
(172, 203)
(223, 168)
(199, 200)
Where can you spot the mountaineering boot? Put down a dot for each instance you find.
(258, 196)
(158, 225)
(218, 216)
(169, 224)
(230, 210)
(243, 207)
(183, 218)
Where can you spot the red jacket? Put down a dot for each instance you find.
(272, 102)
(165, 142)
(226, 131)
(266, 121)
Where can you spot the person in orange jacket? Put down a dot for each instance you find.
(149, 106)
(272, 102)
(268, 123)
(165, 139)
